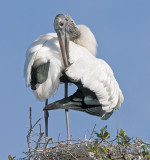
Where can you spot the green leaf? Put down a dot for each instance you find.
(144, 148)
(106, 135)
(103, 130)
(97, 134)
(122, 133)
(93, 148)
(148, 156)
(10, 157)
(103, 149)
(96, 143)
(123, 138)
(103, 135)
(145, 151)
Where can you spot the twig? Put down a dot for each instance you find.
(40, 138)
(107, 141)
(36, 122)
(113, 140)
(58, 137)
(46, 144)
(30, 130)
(143, 142)
(92, 131)
(72, 155)
(85, 140)
(30, 117)
(29, 133)
(118, 135)
(118, 157)
(40, 128)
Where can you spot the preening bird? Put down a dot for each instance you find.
(44, 64)
(69, 56)
(98, 91)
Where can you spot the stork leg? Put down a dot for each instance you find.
(67, 115)
(46, 115)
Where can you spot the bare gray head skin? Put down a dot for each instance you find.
(64, 23)
(66, 30)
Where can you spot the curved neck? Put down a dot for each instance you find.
(86, 39)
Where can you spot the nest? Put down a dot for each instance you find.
(77, 149)
(65, 152)
(80, 150)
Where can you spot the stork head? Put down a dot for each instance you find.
(66, 30)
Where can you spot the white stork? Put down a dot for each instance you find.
(98, 94)
(98, 91)
(46, 50)
(44, 63)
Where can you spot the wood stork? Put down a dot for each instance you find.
(98, 91)
(44, 64)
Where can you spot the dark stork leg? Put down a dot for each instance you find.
(67, 115)
(46, 115)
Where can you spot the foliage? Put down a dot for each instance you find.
(145, 152)
(103, 150)
(101, 146)
(103, 135)
(10, 157)
(123, 139)
(94, 147)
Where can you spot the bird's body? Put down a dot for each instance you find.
(46, 49)
(99, 93)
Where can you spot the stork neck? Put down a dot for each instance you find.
(86, 39)
(75, 34)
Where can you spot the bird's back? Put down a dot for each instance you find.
(44, 49)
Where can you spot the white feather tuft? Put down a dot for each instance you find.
(87, 39)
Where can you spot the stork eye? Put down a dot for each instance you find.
(61, 23)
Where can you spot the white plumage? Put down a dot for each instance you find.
(46, 48)
(95, 74)
(42, 50)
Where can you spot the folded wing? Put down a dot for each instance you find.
(96, 75)
(44, 50)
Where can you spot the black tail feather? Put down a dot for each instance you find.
(66, 103)
(39, 74)
(76, 102)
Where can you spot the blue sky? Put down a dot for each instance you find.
(122, 30)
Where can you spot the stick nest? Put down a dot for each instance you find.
(99, 148)
(80, 150)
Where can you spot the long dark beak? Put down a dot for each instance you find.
(63, 39)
